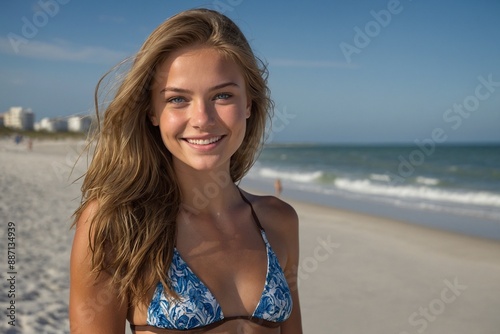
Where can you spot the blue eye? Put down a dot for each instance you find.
(176, 100)
(222, 96)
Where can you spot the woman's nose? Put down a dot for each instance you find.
(203, 114)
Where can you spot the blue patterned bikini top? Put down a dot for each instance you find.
(197, 308)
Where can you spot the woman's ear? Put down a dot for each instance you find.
(248, 111)
(153, 119)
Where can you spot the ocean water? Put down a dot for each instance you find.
(459, 180)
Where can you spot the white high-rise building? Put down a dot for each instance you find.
(19, 118)
(52, 125)
(79, 123)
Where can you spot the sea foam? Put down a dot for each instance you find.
(419, 192)
(292, 176)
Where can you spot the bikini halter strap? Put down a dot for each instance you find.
(254, 215)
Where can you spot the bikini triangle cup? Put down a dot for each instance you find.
(197, 308)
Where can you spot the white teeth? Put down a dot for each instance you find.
(204, 141)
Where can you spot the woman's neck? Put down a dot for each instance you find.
(207, 192)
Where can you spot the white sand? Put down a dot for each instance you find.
(373, 276)
(390, 277)
(36, 195)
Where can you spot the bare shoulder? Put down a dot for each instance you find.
(275, 214)
(82, 225)
(85, 215)
(82, 230)
(281, 223)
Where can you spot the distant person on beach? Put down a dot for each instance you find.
(164, 236)
(278, 188)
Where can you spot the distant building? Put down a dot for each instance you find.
(79, 123)
(19, 118)
(52, 125)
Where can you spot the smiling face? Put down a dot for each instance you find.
(200, 104)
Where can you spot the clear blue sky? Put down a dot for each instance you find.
(398, 83)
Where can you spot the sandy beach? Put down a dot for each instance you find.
(357, 273)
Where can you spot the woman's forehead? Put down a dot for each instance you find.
(201, 65)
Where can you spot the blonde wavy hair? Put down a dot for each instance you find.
(131, 177)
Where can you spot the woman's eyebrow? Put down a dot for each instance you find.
(187, 91)
(176, 90)
(223, 85)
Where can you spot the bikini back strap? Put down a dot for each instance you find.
(254, 215)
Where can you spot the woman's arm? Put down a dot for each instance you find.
(94, 306)
(292, 325)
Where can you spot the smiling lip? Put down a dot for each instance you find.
(203, 141)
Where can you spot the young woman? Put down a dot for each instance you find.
(164, 236)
